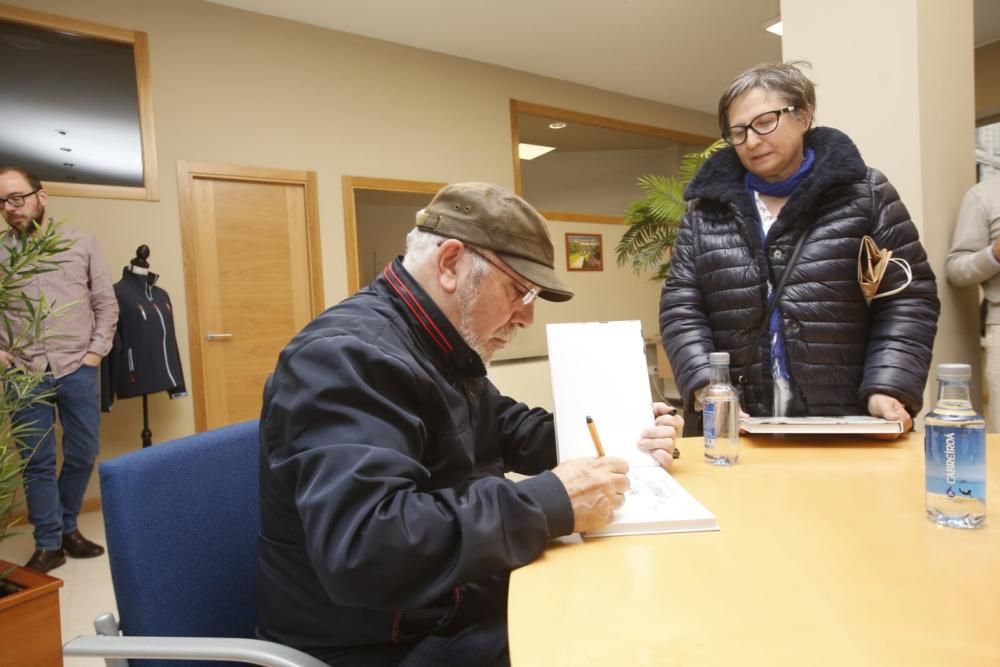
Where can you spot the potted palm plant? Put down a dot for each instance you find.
(654, 219)
(29, 600)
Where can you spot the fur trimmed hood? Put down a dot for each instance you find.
(838, 162)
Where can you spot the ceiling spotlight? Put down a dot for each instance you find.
(774, 26)
(531, 151)
(558, 125)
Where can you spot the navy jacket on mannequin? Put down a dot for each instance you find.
(144, 357)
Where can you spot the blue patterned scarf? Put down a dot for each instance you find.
(779, 357)
(781, 188)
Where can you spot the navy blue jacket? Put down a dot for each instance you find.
(384, 511)
(143, 357)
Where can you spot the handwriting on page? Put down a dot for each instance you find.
(649, 489)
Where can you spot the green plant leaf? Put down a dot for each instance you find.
(23, 315)
(654, 218)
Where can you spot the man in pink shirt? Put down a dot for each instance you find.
(71, 352)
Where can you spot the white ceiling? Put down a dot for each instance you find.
(679, 52)
(633, 47)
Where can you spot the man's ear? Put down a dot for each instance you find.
(43, 198)
(448, 255)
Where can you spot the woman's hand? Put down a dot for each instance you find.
(887, 407)
(661, 440)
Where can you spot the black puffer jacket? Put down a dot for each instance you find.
(385, 514)
(839, 349)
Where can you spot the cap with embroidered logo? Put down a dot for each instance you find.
(491, 217)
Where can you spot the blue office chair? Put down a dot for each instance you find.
(182, 520)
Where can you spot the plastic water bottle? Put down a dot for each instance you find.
(955, 453)
(721, 412)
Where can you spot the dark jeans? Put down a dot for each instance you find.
(53, 504)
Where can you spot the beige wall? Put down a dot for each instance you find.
(903, 90)
(240, 88)
(988, 84)
(614, 293)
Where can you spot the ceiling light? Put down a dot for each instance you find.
(531, 151)
(774, 26)
(558, 125)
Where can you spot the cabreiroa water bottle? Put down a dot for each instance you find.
(955, 453)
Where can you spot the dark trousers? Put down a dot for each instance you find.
(480, 645)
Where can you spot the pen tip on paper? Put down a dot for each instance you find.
(589, 420)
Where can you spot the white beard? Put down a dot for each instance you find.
(468, 299)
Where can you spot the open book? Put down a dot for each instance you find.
(599, 371)
(820, 425)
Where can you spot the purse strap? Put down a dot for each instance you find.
(775, 295)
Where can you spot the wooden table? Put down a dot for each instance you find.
(824, 557)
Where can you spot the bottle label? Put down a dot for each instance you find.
(708, 422)
(955, 459)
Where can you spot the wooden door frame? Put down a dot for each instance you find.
(351, 184)
(186, 173)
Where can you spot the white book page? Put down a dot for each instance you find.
(599, 370)
(657, 503)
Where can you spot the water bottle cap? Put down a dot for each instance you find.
(718, 358)
(954, 371)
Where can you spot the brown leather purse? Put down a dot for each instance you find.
(873, 263)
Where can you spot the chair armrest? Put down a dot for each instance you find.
(253, 651)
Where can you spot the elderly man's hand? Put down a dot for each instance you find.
(660, 440)
(887, 407)
(596, 487)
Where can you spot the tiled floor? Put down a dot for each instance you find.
(86, 590)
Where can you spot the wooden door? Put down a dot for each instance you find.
(251, 264)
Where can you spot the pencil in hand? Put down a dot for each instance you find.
(592, 427)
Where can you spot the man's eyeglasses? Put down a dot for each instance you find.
(765, 123)
(17, 201)
(526, 293)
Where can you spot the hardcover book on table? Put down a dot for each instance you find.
(858, 424)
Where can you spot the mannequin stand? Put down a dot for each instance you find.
(147, 435)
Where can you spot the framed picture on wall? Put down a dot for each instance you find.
(584, 252)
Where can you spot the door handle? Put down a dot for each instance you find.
(215, 335)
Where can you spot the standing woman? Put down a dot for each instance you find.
(824, 350)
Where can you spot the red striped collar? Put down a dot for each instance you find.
(413, 304)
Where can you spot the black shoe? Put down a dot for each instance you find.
(77, 546)
(45, 560)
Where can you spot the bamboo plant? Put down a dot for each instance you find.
(22, 317)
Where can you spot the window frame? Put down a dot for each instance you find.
(139, 42)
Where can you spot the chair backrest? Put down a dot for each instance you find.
(182, 520)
